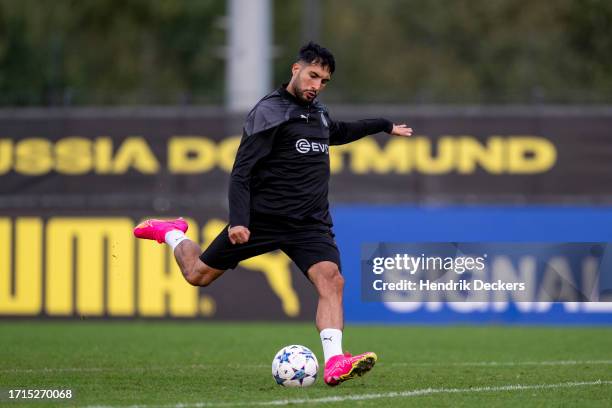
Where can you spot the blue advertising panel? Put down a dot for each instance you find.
(359, 225)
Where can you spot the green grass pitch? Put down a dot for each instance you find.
(200, 364)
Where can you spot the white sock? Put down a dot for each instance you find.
(175, 237)
(332, 342)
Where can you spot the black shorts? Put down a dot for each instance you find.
(305, 244)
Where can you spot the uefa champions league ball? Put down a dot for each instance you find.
(295, 366)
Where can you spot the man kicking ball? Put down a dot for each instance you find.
(278, 200)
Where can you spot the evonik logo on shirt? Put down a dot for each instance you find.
(304, 146)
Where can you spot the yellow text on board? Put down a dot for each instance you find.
(496, 155)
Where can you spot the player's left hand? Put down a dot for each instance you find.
(401, 130)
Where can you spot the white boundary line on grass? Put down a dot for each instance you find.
(364, 397)
(215, 366)
(104, 369)
(504, 363)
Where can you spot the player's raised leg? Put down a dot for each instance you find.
(339, 367)
(186, 252)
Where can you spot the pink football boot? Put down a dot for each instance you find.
(344, 367)
(157, 229)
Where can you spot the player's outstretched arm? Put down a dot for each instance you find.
(401, 130)
(346, 132)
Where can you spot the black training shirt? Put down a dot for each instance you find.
(282, 164)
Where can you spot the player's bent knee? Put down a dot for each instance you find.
(327, 277)
(205, 281)
(193, 279)
(197, 279)
(323, 270)
(338, 281)
(203, 275)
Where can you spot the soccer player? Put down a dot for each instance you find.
(278, 200)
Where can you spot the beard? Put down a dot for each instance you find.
(302, 94)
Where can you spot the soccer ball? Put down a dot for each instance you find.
(295, 366)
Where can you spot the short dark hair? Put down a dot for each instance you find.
(314, 53)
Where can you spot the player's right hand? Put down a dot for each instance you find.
(238, 234)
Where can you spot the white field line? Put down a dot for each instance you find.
(366, 397)
(216, 366)
(147, 368)
(504, 363)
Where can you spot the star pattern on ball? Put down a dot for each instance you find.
(299, 375)
(284, 358)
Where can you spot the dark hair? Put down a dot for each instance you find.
(314, 53)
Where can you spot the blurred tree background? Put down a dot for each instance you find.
(126, 52)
